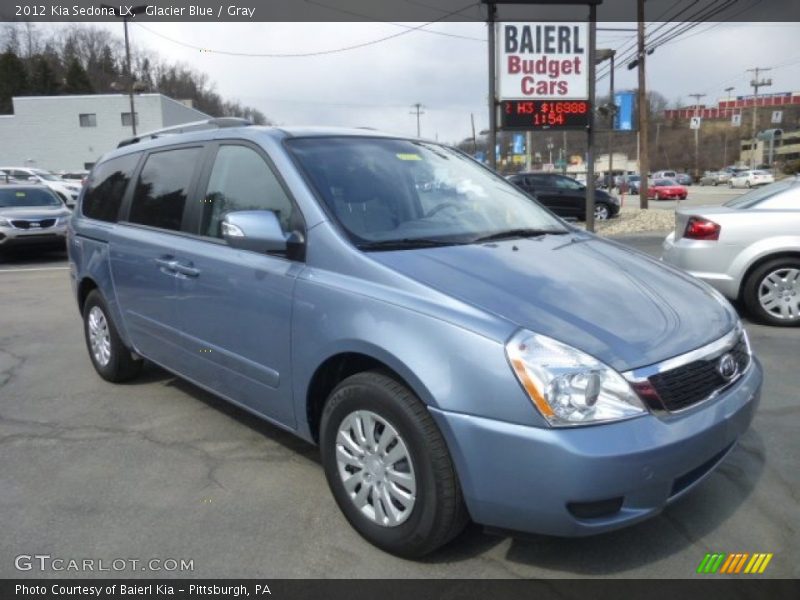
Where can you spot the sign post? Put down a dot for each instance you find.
(542, 77)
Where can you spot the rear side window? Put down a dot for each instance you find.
(163, 187)
(106, 187)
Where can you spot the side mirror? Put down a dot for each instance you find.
(33, 179)
(256, 230)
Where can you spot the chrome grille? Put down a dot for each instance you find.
(684, 381)
(39, 223)
(689, 384)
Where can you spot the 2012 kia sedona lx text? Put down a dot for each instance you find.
(448, 342)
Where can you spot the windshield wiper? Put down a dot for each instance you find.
(517, 233)
(405, 244)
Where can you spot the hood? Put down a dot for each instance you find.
(34, 212)
(612, 302)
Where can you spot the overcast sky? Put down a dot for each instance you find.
(375, 86)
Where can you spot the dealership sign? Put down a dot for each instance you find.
(542, 61)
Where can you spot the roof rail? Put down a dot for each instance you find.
(218, 123)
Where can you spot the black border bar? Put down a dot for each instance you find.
(418, 11)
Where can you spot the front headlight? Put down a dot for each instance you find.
(4, 222)
(62, 220)
(568, 386)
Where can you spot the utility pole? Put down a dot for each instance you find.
(474, 139)
(418, 111)
(492, 97)
(601, 55)
(590, 176)
(756, 83)
(696, 133)
(611, 117)
(727, 114)
(132, 12)
(644, 163)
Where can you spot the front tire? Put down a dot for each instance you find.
(388, 466)
(772, 292)
(602, 212)
(109, 356)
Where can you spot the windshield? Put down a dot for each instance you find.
(46, 175)
(15, 197)
(385, 191)
(665, 182)
(758, 195)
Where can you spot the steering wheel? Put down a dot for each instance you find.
(444, 206)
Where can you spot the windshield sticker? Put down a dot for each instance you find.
(20, 194)
(408, 156)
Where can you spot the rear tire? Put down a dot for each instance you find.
(771, 292)
(109, 356)
(363, 476)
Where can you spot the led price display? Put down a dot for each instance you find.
(544, 114)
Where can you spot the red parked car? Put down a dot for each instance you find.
(666, 189)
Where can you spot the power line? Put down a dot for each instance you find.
(305, 54)
(369, 18)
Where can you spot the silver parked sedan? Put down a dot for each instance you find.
(31, 215)
(748, 249)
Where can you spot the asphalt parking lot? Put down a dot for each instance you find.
(160, 469)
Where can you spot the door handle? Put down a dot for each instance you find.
(167, 264)
(185, 270)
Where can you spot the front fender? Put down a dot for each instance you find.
(449, 368)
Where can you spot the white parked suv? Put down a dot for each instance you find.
(66, 190)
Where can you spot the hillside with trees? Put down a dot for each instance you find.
(82, 59)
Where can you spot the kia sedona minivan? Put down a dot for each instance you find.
(443, 338)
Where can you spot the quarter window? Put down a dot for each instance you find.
(106, 187)
(242, 180)
(163, 187)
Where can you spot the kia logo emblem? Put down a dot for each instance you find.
(727, 366)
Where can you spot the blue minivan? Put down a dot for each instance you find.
(456, 350)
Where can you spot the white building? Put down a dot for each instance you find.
(72, 132)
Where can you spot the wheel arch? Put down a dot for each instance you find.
(761, 260)
(341, 365)
(85, 287)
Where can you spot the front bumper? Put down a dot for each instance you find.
(530, 479)
(49, 236)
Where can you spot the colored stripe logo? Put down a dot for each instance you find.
(734, 563)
